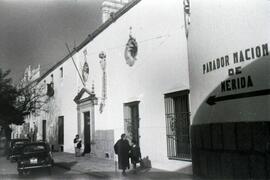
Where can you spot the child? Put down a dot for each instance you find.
(135, 153)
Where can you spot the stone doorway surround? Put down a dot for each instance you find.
(85, 101)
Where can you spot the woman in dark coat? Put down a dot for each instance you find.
(122, 148)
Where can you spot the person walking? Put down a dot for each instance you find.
(135, 154)
(122, 148)
(77, 145)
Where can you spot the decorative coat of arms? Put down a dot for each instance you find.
(85, 68)
(131, 50)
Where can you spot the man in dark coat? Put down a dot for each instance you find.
(122, 148)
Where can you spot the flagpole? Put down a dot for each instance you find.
(75, 64)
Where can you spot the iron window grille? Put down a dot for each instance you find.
(178, 125)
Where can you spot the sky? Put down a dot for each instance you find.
(34, 32)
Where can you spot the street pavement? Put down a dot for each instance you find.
(8, 171)
(107, 169)
(88, 167)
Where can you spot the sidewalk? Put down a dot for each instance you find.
(107, 169)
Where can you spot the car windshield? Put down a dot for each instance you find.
(15, 141)
(34, 148)
(18, 144)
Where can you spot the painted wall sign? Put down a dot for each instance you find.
(212, 100)
(236, 58)
(229, 62)
(233, 64)
(229, 66)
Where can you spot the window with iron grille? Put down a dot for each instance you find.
(178, 125)
(131, 121)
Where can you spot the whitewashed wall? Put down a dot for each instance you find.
(162, 67)
(219, 28)
(61, 104)
(229, 104)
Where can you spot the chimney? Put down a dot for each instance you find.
(110, 7)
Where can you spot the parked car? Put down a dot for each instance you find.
(14, 148)
(35, 155)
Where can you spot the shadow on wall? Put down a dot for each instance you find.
(216, 108)
(230, 134)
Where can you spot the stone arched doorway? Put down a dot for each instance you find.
(86, 101)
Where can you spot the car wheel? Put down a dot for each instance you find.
(20, 172)
(26, 172)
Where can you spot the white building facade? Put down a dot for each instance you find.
(131, 76)
(135, 75)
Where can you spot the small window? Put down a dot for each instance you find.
(178, 125)
(61, 72)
